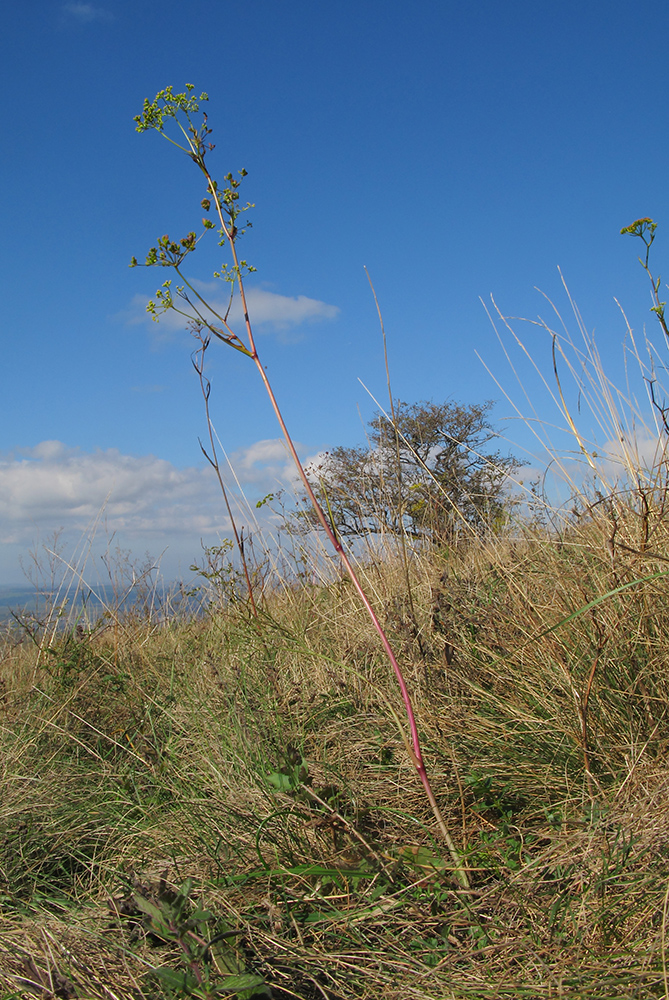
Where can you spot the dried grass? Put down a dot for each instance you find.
(150, 759)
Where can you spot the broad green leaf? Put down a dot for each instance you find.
(422, 857)
(226, 958)
(282, 782)
(174, 979)
(244, 983)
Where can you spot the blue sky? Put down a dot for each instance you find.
(457, 150)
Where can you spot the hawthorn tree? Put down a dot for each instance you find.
(428, 474)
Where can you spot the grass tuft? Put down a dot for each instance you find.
(268, 772)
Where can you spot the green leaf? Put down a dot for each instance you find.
(282, 782)
(159, 920)
(245, 983)
(146, 906)
(422, 858)
(181, 981)
(227, 959)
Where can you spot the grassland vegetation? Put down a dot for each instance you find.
(269, 778)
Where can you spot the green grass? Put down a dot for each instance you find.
(269, 769)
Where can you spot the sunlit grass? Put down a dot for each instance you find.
(270, 769)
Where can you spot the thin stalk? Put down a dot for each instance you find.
(416, 753)
(644, 229)
(171, 255)
(403, 541)
(205, 386)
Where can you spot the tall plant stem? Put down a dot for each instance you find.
(415, 749)
(168, 105)
(205, 386)
(398, 458)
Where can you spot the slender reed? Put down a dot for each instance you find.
(205, 386)
(396, 434)
(169, 253)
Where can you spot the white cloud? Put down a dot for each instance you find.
(65, 486)
(631, 457)
(86, 12)
(265, 463)
(145, 501)
(616, 464)
(267, 310)
(281, 311)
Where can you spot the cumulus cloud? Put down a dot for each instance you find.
(616, 465)
(632, 458)
(640, 454)
(265, 464)
(86, 12)
(66, 486)
(147, 502)
(281, 311)
(268, 310)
